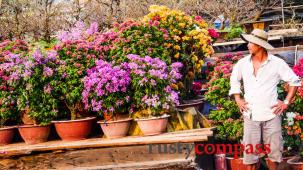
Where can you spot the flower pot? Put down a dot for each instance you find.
(6, 135)
(153, 126)
(237, 164)
(33, 134)
(283, 165)
(71, 130)
(220, 162)
(115, 129)
(296, 163)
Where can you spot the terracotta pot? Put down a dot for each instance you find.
(283, 165)
(296, 163)
(153, 126)
(33, 134)
(237, 164)
(6, 135)
(71, 130)
(115, 129)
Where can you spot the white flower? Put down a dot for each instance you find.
(290, 118)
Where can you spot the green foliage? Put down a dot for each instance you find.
(234, 32)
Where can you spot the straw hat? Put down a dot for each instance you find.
(259, 37)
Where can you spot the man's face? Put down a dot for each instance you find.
(253, 48)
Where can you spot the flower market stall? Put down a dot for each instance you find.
(106, 99)
(131, 86)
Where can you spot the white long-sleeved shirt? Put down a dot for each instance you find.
(260, 91)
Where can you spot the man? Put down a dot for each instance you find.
(261, 72)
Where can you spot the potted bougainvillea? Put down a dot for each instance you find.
(30, 76)
(106, 91)
(226, 117)
(9, 114)
(294, 122)
(152, 94)
(172, 36)
(78, 50)
(189, 42)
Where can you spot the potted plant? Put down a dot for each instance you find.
(30, 76)
(153, 97)
(294, 122)
(8, 110)
(172, 36)
(78, 50)
(106, 91)
(9, 114)
(294, 128)
(226, 117)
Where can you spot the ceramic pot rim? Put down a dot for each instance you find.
(114, 121)
(70, 121)
(8, 127)
(31, 126)
(294, 163)
(152, 118)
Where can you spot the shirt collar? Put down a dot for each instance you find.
(269, 58)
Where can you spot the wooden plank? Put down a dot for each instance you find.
(175, 163)
(96, 157)
(277, 37)
(274, 51)
(172, 137)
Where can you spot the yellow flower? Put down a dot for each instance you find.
(198, 66)
(177, 55)
(176, 38)
(177, 47)
(168, 45)
(185, 38)
(182, 25)
(175, 30)
(194, 58)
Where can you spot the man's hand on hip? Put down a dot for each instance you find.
(279, 108)
(242, 105)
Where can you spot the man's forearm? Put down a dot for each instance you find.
(291, 93)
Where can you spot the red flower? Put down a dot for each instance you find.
(213, 33)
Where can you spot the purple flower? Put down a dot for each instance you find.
(47, 72)
(37, 56)
(48, 89)
(51, 55)
(102, 83)
(92, 29)
(176, 65)
(153, 82)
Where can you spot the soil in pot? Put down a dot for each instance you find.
(33, 134)
(296, 163)
(6, 135)
(153, 126)
(71, 130)
(115, 129)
